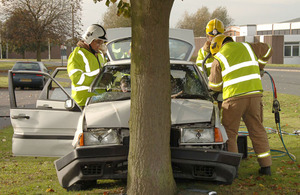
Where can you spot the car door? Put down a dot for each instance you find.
(42, 125)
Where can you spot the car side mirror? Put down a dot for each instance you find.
(69, 104)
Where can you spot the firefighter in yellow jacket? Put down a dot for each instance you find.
(237, 70)
(213, 28)
(86, 61)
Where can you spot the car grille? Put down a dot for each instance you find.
(91, 169)
(203, 171)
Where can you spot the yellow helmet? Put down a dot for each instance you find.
(217, 42)
(214, 27)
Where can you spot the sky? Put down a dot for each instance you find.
(242, 12)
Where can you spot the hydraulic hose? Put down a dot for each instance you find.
(275, 110)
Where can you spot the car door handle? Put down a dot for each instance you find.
(20, 116)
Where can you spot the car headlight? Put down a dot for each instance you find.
(197, 135)
(101, 137)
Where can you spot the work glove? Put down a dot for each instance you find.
(103, 49)
(206, 46)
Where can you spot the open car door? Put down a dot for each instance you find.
(45, 123)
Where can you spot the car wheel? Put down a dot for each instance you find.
(82, 185)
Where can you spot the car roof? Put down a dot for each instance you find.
(29, 62)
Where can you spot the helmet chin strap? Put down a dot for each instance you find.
(92, 50)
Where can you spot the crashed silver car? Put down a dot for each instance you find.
(101, 142)
(93, 143)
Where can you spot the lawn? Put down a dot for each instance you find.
(36, 175)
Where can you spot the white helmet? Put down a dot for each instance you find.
(95, 31)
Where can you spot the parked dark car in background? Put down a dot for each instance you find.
(29, 80)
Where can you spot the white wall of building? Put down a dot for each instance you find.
(249, 30)
(262, 27)
(282, 26)
(291, 59)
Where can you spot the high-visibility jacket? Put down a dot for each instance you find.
(83, 67)
(201, 56)
(240, 70)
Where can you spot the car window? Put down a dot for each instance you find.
(55, 92)
(121, 49)
(26, 66)
(186, 82)
(52, 93)
(179, 50)
(113, 84)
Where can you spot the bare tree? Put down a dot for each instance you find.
(222, 14)
(44, 19)
(197, 21)
(112, 20)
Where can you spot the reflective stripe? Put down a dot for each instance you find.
(87, 69)
(268, 52)
(73, 71)
(224, 60)
(250, 51)
(241, 79)
(85, 60)
(199, 62)
(263, 155)
(215, 84)
(262, 62)
(80, 88)
(208, 65)
(202, 52)
(90, 74)
(229, 69)
(238, 66)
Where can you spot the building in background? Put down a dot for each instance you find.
(284, 37)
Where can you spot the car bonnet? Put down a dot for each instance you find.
(116, 114)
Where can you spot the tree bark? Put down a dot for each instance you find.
(149, 160)
(38, 51)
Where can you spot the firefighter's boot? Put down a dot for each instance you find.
(265, 171)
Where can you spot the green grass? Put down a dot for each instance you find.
(3, 81)
(4, 65)
(7, 64)
(36, 175)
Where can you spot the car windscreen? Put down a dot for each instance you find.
(113, 83)
(26, 66)
(121, 49)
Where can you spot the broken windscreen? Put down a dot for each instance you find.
(114, 83)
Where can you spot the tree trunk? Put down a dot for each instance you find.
(149, 160)
(38, 51)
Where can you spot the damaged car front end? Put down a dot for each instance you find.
(197, 142)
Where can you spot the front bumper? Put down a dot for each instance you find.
(110, 162)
